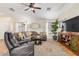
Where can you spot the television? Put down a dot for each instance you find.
(72, 25)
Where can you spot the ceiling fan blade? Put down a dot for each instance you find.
(36, 7)
(33, 11)
(24, 4)
(32, 4)
(26, 9)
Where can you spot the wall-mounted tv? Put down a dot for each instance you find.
(72, 25)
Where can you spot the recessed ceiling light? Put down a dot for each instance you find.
(12, 9)
(48, 9)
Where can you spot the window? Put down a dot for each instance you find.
(20, 26)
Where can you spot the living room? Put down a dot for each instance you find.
(33, 21)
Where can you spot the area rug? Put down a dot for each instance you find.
(50, 48)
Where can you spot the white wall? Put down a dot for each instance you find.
(41, 23)
(4, 25)
(29, 21)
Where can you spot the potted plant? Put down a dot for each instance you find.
(54, 29)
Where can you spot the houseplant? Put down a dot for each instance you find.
(54, 29)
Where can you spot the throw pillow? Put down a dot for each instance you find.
(21, 35)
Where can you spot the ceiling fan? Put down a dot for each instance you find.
(31, 6)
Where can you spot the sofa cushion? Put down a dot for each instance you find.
(23, 50)
(14, 42)
(19, 36)
(11, 40)
(22, 37)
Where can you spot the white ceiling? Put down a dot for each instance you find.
(56, 10)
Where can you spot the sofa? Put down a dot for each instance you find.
(42, 35)
(18, 46)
